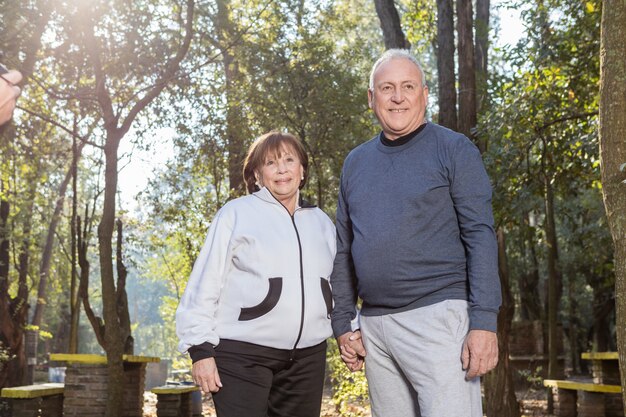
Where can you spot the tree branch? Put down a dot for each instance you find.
(72, 133)
(566, 118)
(170, 72)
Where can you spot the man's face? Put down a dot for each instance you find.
(398, 97)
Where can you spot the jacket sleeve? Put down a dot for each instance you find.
(470, 190)
(195, 315)
(343, 277)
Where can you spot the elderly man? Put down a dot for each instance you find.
(416, 243)
(8, 92)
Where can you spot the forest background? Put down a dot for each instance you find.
(191, 83)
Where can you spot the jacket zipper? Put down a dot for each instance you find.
(295, 228)
(293, 351)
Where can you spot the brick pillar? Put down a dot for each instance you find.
(564, 402)
(85, 390)
(31, 338)
(135, 375)
(605, 372)
(49, 406)
(52, 406)
(6, 409)
(186, 407)
(613, 405)
(590, 404)
(174, 405)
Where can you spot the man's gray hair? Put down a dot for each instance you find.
(390, 54)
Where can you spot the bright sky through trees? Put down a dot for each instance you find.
(136, 171)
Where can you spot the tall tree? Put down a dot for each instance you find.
(236, 126)
(467, 70)
(390, 24)
(21, 44)
(481, 52)
(613, 152)
(500, 399)
(445, 64)
(125, 73)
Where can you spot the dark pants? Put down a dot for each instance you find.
(264, 382)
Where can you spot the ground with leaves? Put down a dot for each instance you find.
(533, 405)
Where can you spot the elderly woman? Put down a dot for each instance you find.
(256, 311)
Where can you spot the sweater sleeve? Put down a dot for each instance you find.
(471, 194)
(343, 277)
(195, 315)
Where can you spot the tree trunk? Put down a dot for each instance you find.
(554, 282)
(445, 64)
(530, 301)
(74, 294)
(46, 256)
(573, 330)
(481, 52)
(390, 24)
(603, 305)
(114, 344)
(114, 305)
(467, 70)
(235, 123)
(13, 310)
(613, 153)
(23, 263)
(500, 400)
(122, 298)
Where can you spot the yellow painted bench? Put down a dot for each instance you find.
(581, 398)
(87, 378)
(27, 400)
(582, 386)
(175, 400)
(600, 356)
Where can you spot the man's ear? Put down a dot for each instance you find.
(370, 97)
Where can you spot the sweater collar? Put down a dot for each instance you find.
(417, 137)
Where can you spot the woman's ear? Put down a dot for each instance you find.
(259, 182)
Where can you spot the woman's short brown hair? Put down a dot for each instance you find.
(272, 143)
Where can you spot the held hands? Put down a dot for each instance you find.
(480, 353)
(8, 93)
(352, 350)
(205, 375)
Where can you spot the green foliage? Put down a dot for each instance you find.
(542, 126)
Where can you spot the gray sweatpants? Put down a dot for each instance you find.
(413, 363)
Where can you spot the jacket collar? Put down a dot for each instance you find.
(265, 195)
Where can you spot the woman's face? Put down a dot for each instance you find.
(282, 176)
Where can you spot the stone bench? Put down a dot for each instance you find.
(174, 400)
(41, 400)
(584, 399)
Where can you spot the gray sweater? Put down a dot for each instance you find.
(415, 227)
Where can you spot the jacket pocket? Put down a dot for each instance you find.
(328, 296)
(268, 303)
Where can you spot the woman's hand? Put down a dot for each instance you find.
(205, 375)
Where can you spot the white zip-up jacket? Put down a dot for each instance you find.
(262, 277)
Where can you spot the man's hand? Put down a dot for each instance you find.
(352, 350)
(205, 375)
(480, 353)
(9, 92)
